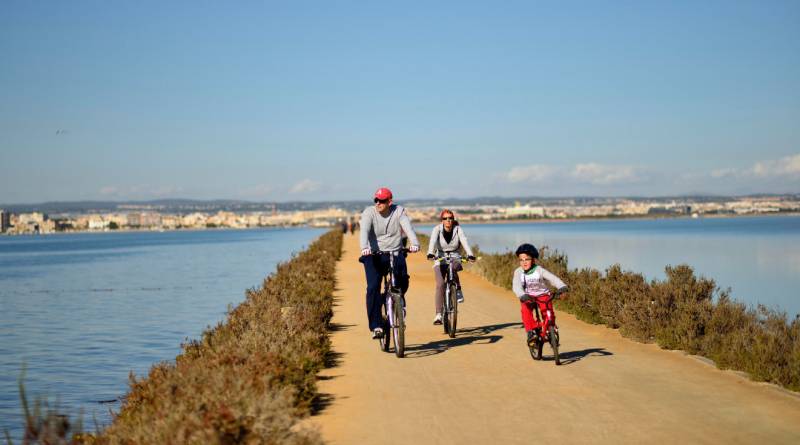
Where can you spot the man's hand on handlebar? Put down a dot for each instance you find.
(431, 256)
(413, 249)
(471, 258)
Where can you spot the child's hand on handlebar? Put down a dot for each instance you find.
(366, 252)
(413, 249)
(431, 256)
(471, 258)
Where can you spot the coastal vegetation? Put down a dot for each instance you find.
(249, 379)
(684, 312)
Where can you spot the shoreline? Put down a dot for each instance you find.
(611, 218)
(429, 222)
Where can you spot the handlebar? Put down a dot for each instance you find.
(449, 258)
(381, 252)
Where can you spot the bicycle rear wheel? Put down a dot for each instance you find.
(399, 326)
(452, 310)
(554, 343)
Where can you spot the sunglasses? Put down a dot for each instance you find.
(448, 218)
(382, 201)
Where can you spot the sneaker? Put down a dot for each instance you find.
(459, 296)
(437, 319)
(531, 336)
(377, 333)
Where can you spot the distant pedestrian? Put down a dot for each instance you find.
(344, 227)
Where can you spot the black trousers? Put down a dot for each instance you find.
(375, 267)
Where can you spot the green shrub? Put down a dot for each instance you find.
(677, 313)
(248, 379)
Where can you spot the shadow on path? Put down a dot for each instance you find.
(569, 357)
(465, 336)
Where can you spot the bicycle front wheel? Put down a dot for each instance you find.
(535, 347)
(452, 310)
(399, 326)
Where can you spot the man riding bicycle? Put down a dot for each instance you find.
(446, 238)
(382, 229)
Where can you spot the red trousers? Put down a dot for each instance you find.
(527, 308)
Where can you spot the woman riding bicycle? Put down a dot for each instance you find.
(530, 283)
(447, 237)
(382, 229)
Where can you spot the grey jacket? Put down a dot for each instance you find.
(534, 282)
(439, 244)
(386, 234)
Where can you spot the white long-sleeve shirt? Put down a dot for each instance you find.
(438, 243)
(385, 233)
(534, 282)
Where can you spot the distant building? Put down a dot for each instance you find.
(5, 221)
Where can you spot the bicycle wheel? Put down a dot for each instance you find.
(385, 339)
(446, 311)
(399, 326)
(452, 316)
(554, 343)
(536, 348)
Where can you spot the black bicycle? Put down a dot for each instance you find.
(450, 306)
(393, 310)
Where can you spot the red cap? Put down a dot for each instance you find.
(383, 193)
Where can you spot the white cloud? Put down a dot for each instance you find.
(604, 174)
(787, 166)
(724, 173)
(590, 173)
(304, 186)
(531, 173)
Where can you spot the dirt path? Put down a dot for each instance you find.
(483, 386)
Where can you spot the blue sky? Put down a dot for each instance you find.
(329, 100)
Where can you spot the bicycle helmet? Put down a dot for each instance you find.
(383, 193)
(527, 248)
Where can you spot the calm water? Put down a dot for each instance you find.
(83, 310)
(757, 257)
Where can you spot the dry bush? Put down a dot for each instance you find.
(249, 379)
(677, 313)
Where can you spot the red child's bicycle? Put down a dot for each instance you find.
(546, 329)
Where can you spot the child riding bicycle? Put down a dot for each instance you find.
(530, 286)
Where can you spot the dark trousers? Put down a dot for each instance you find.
(375, 267)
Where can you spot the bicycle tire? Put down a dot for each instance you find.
(452, 318)
(399, 326)
(536, 348)
(385, 340)
(554, 343)
(446, 311)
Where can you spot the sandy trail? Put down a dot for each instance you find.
(483, 386)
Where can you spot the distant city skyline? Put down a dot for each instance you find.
(322, 102)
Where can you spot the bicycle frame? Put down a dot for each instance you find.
(544, 304)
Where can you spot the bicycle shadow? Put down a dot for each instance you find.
(481, 335)
(570, 357)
